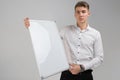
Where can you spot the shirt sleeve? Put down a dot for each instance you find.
(66, 45)
(98, 54)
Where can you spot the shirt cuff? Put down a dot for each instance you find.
(82, 68)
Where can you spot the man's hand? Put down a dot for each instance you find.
(26, 22)
(74, 68)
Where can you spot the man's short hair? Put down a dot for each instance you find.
(82, 4)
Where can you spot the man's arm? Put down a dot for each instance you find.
(98, 54)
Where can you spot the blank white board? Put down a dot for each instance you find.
(48, 48)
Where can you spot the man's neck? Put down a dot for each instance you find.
(82, 26)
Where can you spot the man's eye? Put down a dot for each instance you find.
(77, 12)
(83, 11)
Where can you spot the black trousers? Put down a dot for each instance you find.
(86, 75)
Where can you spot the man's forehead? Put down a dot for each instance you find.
(81, 8)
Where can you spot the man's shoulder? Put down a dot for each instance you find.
(94, 29)
(68, 27)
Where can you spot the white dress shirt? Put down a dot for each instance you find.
(83, 47)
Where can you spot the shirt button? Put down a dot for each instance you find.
(79, 38)
(78, 52)
(77, 59)
(78, 45)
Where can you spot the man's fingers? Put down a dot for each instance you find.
(26, 22)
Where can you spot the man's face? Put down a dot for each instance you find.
(81, 14)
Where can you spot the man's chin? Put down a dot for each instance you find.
(81, 22)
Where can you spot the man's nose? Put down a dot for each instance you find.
(80, 14)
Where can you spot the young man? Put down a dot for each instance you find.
(83, 45)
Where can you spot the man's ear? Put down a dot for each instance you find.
(89, 13)
(74, 14)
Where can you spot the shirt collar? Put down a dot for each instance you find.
(78, 29)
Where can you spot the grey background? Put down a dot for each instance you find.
(17, 60)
